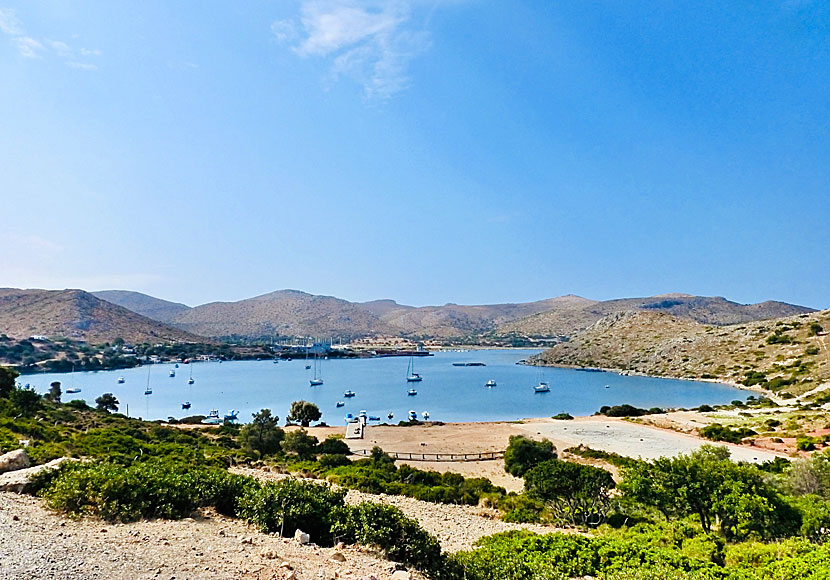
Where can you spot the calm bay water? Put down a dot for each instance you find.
(448, 393)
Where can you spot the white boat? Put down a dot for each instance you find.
(413, 416)
(412, 392)
(340, 403)
(317, 379)
(172, 372)
(73, 391)
(349, 394)
(120, 380)
(411, 375)
(490, 383)
(191, 380)
(542, 387)
(213, 418)
(148, 391)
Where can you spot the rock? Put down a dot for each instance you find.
(14, 460)
(401, 575)
(338, 557)
(268, 554)
(248, 540)
(285, 565)
(18, 481)
(301, 537)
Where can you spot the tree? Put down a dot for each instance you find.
(263, 434)
(300, 443)
(706, 483)
(26, 400)
(304, 412)
(106, 402)
(54, 393)
(7, 378)
(523, 454)
(576, 493)
(334, 446)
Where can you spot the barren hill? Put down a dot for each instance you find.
(78, 315)
(149, 306)
(571, 318)
(791, 353)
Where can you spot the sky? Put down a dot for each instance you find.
(427, 151)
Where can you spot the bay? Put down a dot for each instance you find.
(448, 393)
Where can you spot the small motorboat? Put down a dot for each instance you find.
(231, 415)
(186, 405)
(542, 387)
(412, 392)
(213, 418)
(390, 416)
(120, 380)
(307, 367)
(373, 418)
(349, 394)
(425, 415)
(191, 380)
(177, 365)
(73, 391)
(148, 391)
(340, 403)
(491, 383)
(413, 416)
(172, 373)
(414, 378)
(276, 361)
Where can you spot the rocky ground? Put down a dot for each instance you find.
(36, 544)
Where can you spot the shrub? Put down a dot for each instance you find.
(523, 454)
(329, 461)
(577, 494)
(334, 446)
(804, 443)
(717, 432)
(563, 417)
(285, 506)
(627, 410)
(300, 443)
(398, 537)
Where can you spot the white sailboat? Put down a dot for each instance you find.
(191, 380)
(317, 379)
(74, 389)
(541, 386)
(411, 375)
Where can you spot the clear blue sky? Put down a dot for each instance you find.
(426, 151)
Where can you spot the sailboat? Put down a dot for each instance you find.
(411, 375)
(147, 389)
(542, 386)
(73, 390)
(317, 379)
(191, 380)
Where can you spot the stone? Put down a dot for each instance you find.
(268, 554)
(18, 481)
(301, 537)
(338, 557)
(14, 460)
(401, 575)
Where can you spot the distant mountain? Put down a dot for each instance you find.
(149, 306)
(792, 352)
(567, 319)
(78, 315)
(284, 312)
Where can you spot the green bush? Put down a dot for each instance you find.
(333, 460)
(523, 454)
(282, 507)
(718, 432)
(333, 446)
(398, 537)
(151, 489)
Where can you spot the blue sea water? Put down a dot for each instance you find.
(448, 393)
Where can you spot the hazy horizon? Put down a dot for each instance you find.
(425, 151)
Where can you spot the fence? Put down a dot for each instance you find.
(485, 456)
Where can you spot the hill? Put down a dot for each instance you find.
(149, 306)
(291, 312)
(788, 355)
(568, 318)
(78, 315)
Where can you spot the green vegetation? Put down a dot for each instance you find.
(304, 412)
(627, 410)
(576, 494)
(717, 432)
(523, 454)
(262, 436)
(563, 417)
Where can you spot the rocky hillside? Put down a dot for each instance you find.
(788, 354)
(291, 312)
(569, 318)
(78, 315)
(149, 306)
